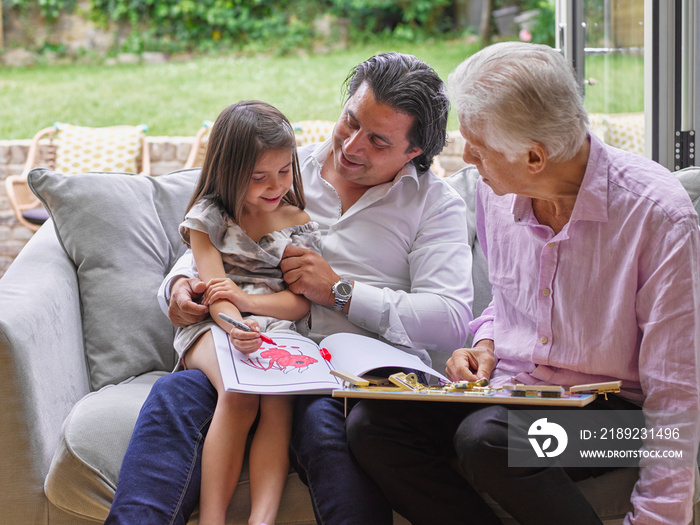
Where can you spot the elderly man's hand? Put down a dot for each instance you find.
(472, 364)
(184, 308)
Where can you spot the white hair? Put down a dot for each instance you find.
(513, 95)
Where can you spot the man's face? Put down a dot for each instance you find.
(370, 140)
(502, 175)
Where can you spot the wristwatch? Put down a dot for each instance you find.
(342, 290)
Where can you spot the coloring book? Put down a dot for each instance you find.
(295, 364)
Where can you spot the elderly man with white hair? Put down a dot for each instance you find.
(594, 258)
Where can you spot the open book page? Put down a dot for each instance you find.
(358, 355)
(294, 364)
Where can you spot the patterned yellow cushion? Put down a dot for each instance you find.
(309, 131)
(82, 149)
(621, 130)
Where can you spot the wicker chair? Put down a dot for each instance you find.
(199, 147)
(45, 151)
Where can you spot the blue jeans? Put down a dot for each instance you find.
(161, 473)
(340, 490)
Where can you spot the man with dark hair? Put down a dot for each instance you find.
(409, 86)
(392, 234)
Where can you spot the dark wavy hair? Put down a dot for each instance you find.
(241, 134)
(410, 86)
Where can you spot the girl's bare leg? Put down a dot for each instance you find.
(224, 446)
(269, 458)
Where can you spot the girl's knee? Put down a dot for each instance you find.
(245, 406)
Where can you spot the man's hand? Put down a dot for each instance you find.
(472, 364)
(184, 308)
(308, 274)
(224, 289)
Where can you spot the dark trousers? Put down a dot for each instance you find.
(433, 459)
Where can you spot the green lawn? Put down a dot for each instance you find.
(618, 84)
(174, 98)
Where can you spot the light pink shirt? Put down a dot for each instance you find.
(613, 295)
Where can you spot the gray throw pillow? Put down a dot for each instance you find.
(121, 232)
(690, 179)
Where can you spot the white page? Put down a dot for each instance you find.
(292, 364)
(358, 354)
(295, 365)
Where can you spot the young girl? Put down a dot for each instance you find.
(247, 207)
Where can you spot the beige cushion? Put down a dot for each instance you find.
(92, 446)
(621, 130)
(112, 149)
(310, 131)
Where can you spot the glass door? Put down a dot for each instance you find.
(637, 63)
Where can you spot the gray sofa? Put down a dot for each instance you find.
(82, 340)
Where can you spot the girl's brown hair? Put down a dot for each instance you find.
(241, 134)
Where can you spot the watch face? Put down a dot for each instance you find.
(344, 289)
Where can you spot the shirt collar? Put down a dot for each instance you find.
(592, 199)
(321, 151)
(409, 171)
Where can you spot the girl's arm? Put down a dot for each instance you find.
(282, 305)
(210, 266)
(223, 295)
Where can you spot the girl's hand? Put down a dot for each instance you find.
(246, 342)
(224, 289)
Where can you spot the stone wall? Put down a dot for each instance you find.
(167, 154)
(28, 29)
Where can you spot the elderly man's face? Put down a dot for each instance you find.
(502, 175)
(370, 140)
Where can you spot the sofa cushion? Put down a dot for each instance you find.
(690, 179)
(464, 182)
(121, 232)
(92, 446)
(85, 469)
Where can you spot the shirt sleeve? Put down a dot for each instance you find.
(205, 216)
(482, 326)
(307, 236)
(669, 321)
(435, 313)
(184, 267)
